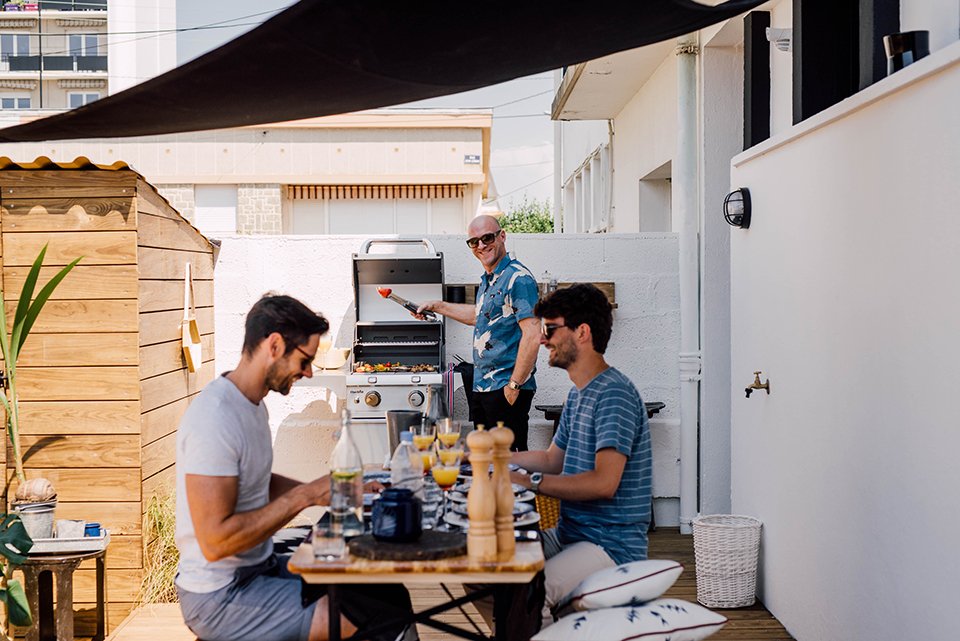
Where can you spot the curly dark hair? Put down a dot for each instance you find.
(579, 304)
(283, 314)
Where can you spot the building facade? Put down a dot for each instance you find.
(841, 291)
(63, 54)
(388, 171)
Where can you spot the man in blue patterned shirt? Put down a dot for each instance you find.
(506, 333)
(599, 464)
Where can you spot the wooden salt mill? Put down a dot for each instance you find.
(481, 503)
(503, 490)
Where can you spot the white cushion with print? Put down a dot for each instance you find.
(660, 620)
(627, 584)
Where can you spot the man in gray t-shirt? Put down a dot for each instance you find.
(229, 503)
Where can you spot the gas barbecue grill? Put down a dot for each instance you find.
(395, 356)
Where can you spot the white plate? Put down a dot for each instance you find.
(464, 486)
(525, 497)
(458, 521)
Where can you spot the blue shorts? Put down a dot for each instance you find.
(262, 601)
(267, 601)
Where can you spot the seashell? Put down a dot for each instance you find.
(34, 490)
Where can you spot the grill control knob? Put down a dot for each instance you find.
(372, 399)
(415, 398)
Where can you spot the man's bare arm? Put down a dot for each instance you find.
(223, 532)
(599, 483)
(280, 484)
(549, 461)
(466, 314)
(526, 355)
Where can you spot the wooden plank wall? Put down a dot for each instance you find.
(102, 380)
(80, 398)
(165, 243)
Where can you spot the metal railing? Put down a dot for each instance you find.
(54, 63)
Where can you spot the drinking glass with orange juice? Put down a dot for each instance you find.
(424, 435)
(445, 472)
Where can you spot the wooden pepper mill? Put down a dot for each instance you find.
(503, 490)
(481, 502)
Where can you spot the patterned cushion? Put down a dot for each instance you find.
(627, 584)
(660, 620)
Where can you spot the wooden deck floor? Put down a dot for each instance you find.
(150, 623)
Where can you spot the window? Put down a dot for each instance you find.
(216, 208)
(838, 50)
(14, 44)
(13, 101)
(84, 44)
(80, 99)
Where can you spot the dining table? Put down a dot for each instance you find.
(502, 578)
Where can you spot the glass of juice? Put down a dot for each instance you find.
(445, 472)
(423, 437)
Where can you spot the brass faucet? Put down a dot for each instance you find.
(757, 384)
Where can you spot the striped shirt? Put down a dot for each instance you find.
(608, 412)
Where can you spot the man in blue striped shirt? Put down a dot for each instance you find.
(599, 464)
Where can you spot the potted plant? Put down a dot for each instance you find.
(35, 500)
(14, 545)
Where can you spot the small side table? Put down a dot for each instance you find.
(39, 573)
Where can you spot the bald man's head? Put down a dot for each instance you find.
(487, 241)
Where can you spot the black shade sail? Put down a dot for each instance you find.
(325, 57)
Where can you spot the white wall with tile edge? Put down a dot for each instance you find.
(317, 270)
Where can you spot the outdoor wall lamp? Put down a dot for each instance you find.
(736, 208)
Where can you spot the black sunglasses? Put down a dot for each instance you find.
(486, 239)
(548, 329)
(305, 363)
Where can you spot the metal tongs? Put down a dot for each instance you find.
(410, 306)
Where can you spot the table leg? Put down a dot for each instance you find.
(31, 586)
(333, 603)
(45, 623)
(101, 598)
(65, 602)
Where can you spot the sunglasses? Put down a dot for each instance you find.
(305, 363)
(486, 239)
(548, 329)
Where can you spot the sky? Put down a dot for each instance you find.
(521, 158)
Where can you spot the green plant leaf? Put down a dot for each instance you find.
(4, 342)
(15, 543)
(30, 318)
(26, 294)
(17, 605)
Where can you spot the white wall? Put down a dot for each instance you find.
(721, 137)
(645, 138)
(940, 17)
(781, 72)
(282, 155)
(132, 59)
(317, 270)
(845, 293)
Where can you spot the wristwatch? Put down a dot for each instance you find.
(535, 479)
(513, 384)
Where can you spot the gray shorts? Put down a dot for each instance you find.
(267, 601)
(263, 601)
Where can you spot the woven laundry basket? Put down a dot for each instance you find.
(726, 547)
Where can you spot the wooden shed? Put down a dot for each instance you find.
(102, 380)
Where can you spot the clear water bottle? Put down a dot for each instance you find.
(346, 483)
(406, 466)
